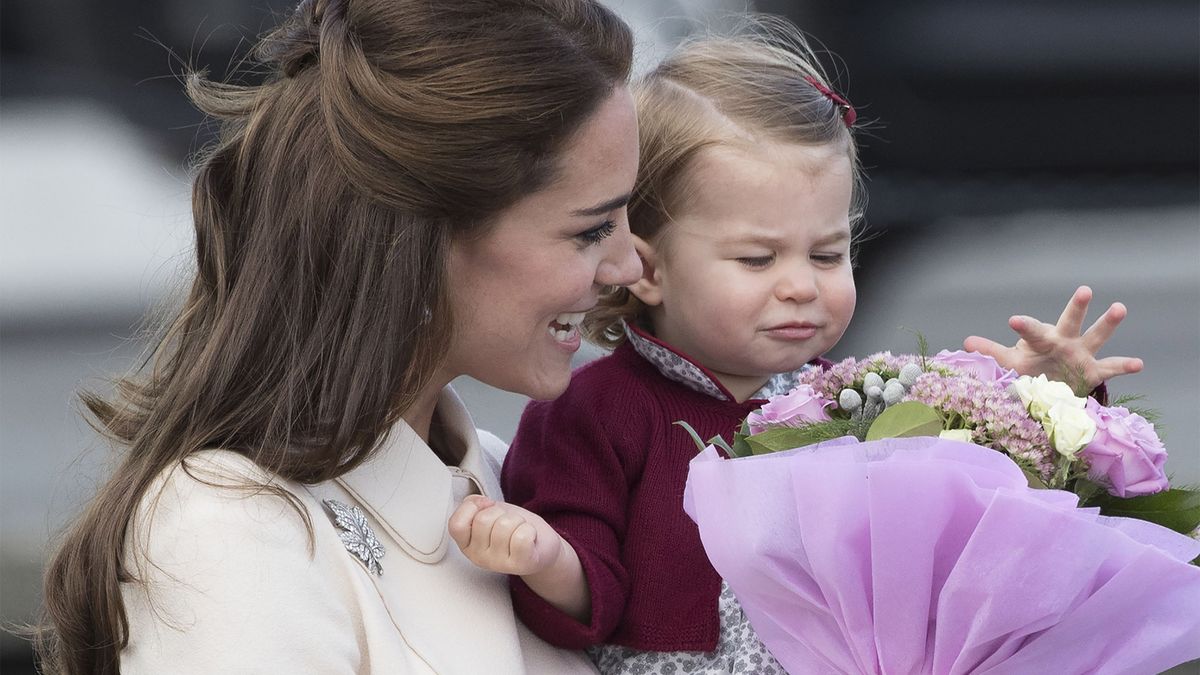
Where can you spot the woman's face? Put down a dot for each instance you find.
(519, 292)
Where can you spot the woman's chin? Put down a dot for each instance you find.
(543, 385)
(546, 390)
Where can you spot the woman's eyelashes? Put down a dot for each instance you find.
(598, 233)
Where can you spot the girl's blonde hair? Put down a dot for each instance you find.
(720, 90)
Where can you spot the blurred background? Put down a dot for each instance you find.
(1017, 149)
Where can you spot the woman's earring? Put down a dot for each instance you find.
(426, 315)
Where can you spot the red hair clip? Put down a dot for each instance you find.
(848, 114)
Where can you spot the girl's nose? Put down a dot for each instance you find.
(797, 284)
(621, 265)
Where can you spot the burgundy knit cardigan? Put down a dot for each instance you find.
(605, 465)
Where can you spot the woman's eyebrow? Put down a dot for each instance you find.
(607, 206)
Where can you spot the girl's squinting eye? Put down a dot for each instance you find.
(757, 262)
(829, 258)
(598, 233)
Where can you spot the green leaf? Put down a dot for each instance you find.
(695, 436)
(922, 348)
(784, 438)
(720, 443)
(909, 418)
(740, 447)
(1035, 481)
(1178, 509)
(1088, 491)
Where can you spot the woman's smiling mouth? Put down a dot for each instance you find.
(565, 329)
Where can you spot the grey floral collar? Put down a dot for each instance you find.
(678, 367)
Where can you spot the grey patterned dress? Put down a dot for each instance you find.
(738, 651)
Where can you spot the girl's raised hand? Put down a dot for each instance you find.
(504, 538)
(1061, 351)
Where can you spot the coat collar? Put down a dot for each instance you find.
(407, 489)
(679, 367)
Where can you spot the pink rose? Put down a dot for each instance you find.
(1126, 453)
(979, 366)
(796, 408)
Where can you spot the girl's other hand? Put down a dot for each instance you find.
(504, 538)
(1061, 351)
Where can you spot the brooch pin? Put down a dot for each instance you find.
(357, 534)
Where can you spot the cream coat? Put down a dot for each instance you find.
(232, 586)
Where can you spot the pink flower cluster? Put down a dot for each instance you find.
(996, 419)
(969, 385)
(973, 392)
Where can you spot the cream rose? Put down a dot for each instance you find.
(963, 435)
(1070, 428)
(1040, 395)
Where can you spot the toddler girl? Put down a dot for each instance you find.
(744, 215)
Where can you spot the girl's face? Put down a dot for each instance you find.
(752, 276)
(520, 291)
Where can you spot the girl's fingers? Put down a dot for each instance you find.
(1113, 366)
(502, 531)
(1070, 322)
(522, 543)
(986, 347)
(1039, 336)
(481, 529)
(1104, 327)
(462, 520)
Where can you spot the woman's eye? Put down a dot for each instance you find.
(598, 233)
(757, 262)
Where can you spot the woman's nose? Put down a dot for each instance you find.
(621, 266)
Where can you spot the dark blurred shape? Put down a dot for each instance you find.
(129, 54)
(981, 107)
(992, 107)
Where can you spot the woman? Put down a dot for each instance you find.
(420, 189)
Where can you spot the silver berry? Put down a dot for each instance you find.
(872, 380)
(849, 400)
(909, 374)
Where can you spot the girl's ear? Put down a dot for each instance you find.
(648, 289)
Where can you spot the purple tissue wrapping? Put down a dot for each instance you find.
(925, 555)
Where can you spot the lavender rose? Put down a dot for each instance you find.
(1126, 454)
(979, 366)
(796, 408)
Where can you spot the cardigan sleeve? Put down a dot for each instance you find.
(226, 580)
(572, 462)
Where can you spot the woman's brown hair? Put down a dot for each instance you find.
(383, 131)
(745, 86)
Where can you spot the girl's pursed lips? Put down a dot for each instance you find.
(792, 324)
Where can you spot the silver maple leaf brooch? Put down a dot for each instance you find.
(357, 534)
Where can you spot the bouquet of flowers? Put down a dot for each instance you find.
(908, 514)
(1109, 455)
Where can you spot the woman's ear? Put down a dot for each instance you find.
(648, 289)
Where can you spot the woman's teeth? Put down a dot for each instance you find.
(565, 325)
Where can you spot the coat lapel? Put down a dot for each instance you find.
(406, 488)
